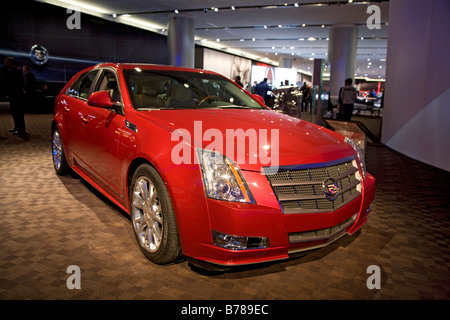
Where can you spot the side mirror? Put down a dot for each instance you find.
(259, 99)
(100, 99)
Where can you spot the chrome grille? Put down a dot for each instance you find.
(300, 190)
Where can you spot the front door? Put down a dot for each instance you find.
(100, 137)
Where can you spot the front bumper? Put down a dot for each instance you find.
(287, 233)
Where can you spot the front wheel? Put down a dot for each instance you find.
(153, 217)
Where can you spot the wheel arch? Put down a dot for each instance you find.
(136, 163)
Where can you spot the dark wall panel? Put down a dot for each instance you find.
(27, 23)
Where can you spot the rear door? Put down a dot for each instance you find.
(75, 101)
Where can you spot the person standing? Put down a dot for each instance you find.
(347, 98)
(253, 87)
(262, 88)
(14, 90)
(306, 96)
(238, 81)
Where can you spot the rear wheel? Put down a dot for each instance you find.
(153, 217)
(59, 157)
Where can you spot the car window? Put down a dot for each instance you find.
(108, 82)
(81, 87)
(165, 89)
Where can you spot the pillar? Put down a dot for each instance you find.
(180, 41)
(417, 91)
(342, 56)
(318, 112)
(285, 63)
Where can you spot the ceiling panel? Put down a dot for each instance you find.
(258, 29)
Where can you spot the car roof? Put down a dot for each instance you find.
(148, 66)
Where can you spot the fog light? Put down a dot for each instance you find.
(233, 242)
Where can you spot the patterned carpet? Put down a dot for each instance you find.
(48, 223)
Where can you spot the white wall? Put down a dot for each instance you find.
(416, 118)
(227, 65)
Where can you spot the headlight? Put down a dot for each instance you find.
(359, 152)
(222, 178)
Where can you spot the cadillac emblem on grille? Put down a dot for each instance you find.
(330, 189)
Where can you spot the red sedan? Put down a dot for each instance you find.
(204, 169)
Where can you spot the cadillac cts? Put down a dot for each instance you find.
(204, 170)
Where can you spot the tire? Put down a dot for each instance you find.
(58, 155)
(152, 216)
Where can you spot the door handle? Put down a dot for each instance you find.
(84, 119)
(66, 109)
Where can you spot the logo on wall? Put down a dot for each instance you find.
(38, 55)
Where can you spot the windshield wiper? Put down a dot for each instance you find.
(147, 108)
(236, 107)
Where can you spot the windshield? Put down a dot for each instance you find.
(161, 89)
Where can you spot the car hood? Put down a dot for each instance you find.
(253, 138)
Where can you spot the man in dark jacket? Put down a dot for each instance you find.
(262, 88)
(13, 88)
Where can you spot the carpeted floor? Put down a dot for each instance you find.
(48, 223)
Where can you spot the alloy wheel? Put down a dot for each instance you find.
(57, 150)
(146, 214)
